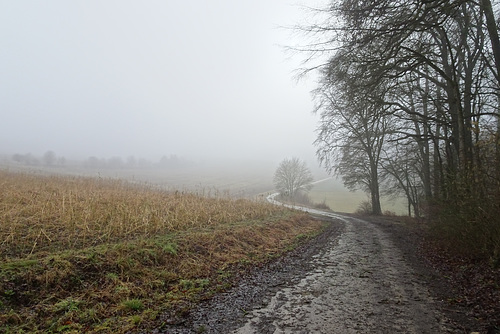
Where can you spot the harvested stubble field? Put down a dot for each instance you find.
(81, 254)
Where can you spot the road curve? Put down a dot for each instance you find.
(360, 283)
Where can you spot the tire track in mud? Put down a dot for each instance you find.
(360, 283)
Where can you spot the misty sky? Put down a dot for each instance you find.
(152, 78)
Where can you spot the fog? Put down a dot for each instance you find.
(198, 79)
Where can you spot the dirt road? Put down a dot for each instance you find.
(359, 284)
(351, 279)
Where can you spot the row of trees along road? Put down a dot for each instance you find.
(409, 105)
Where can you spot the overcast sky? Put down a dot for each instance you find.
(151, 78)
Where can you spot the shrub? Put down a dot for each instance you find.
(364, 208)
(471, 229)
(322, 206)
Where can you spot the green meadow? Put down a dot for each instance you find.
(340, 199)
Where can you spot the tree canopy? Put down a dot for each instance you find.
(409, 100)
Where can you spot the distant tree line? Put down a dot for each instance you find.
(167, 162)
(409, 101)
(50, 158)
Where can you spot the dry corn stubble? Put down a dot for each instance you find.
(40, 213)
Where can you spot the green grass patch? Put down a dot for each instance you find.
(133, 305)
(18, 264)
(332, 194)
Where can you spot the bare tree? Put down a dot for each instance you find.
(430, 71)
(291, 176)
(351, 136)
(49, 158)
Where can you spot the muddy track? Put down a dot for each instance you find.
(350, 279)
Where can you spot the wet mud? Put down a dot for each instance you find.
(351, 279)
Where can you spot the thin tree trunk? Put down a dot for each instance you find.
(493, 32)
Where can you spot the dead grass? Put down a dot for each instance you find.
(89, 255)
(56, 213)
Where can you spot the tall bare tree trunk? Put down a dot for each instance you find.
(375, 190)
(495, 46)
(493, 32)
(424, 145)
